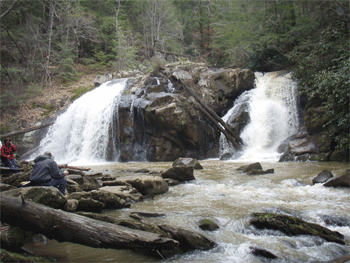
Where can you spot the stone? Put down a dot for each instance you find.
(109, 200)
(293, 226)
(188, 162)
(126, 192)
(340, 181)
(208, 224)
(45, 195)
(180, 173)
(71, 205)
(145, 184)
(322, 177)
(250, 167)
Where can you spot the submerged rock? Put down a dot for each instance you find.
(208, 224)
(293, 226)
(322, 177)
(259, 252)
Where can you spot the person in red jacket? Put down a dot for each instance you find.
(7, 154)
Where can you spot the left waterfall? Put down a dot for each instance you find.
(84, 133)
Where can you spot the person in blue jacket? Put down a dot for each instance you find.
(46, 173)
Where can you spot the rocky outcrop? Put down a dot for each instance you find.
(158, 120)
(294, 226)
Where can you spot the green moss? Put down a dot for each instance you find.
(6, 256)
(80, 91)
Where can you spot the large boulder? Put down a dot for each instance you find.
(49, 196)
(145, 184)
(340, 181)
(293, 226)
(126, 192)
(322, 177)
(107, 199)
(188, 240)
(188, 162)
(179, 173)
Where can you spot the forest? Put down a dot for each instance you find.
(42, 40)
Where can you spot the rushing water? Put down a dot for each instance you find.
(82, 133)
(222, 193)
(219, 192)
(272, 107)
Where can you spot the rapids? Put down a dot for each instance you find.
(222, 193)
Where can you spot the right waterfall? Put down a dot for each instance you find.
(273, 116)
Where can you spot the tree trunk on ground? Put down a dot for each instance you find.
(63, 226)
(11, 134)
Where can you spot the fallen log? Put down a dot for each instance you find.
(64, 226)
(11, 134)
(214, 116)
(228, 136)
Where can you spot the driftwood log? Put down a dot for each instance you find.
(64, 226)
(222, 126)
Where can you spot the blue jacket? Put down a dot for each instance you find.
(45, 169)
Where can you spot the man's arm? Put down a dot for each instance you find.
(56, 173)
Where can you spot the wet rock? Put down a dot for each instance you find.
(340, 181)
(12, 238)
(261, 172)
(49, 196)
(259, 252)
(71, 205)
(126, 192)
(250, 167)
(17, 178)
(145, 184)
(322, 177)
(225, 156)
(335, 220)
(208, 224)
(90, 184)
(36, 239)
(188, 162)
(180, 173)
(6, 187)
(188, 240)
(109, 200)
(90, 205)
(293, 226)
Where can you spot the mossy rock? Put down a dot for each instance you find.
(294, 226)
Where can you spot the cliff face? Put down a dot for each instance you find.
(159, 120)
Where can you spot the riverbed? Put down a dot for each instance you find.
(228, 196)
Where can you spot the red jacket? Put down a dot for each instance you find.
(8, 150)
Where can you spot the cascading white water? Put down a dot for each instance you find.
(81, 134)
(273, 115)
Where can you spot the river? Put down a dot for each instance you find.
(229, 197)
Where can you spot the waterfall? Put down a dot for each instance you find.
(82, 133)
(272, 107)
